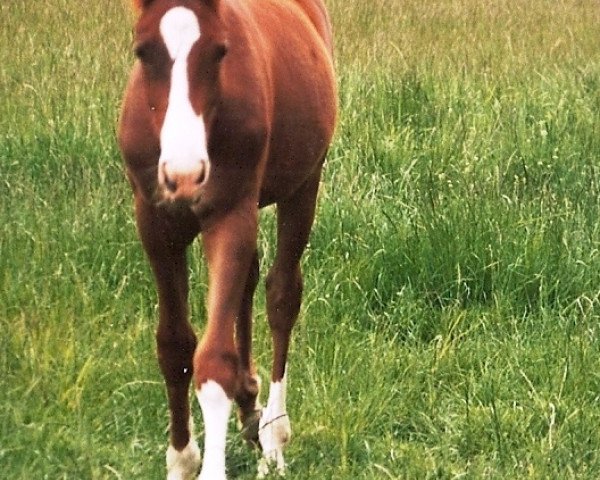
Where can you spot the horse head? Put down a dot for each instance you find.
(180, 46)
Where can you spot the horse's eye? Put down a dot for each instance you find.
(154, 59)
(150, 52)
(143, 51)
(220, 51)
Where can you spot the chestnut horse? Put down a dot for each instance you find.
(231, 106)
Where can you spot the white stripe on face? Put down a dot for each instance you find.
(183, 134)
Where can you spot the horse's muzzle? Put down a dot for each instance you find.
(182, 184)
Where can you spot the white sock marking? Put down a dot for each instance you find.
(216, 407)
(183, 134)
(183, 465)
(274, 429)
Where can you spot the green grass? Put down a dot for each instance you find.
(451, 314)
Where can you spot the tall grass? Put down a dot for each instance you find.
(450, 320)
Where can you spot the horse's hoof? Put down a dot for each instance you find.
(184, 464)
(249, 428)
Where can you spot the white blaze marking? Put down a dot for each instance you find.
(216, 407)
(183, 134)
(274, 428)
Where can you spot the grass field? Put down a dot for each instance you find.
(452, 302)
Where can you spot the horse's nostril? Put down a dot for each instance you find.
(182, 183)
(171, 185)
(201, 177)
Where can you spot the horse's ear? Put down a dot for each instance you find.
(138, 5)
(214, 4)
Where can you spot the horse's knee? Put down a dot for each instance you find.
(249, 388)
(284, 295)
(220, 366)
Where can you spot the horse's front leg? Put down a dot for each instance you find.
(175, 338)
(247, 396)
(284, 294)
(229, 247)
